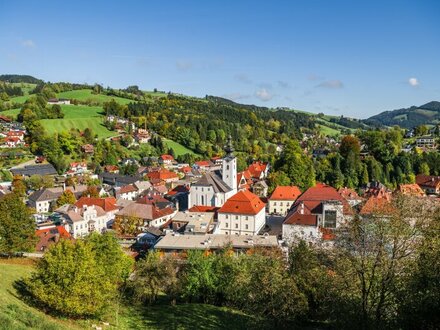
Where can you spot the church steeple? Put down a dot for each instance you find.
(229, 149)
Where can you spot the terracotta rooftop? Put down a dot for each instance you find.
(243, 202)
(107, 204)
(285, 193)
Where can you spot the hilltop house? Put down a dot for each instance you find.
(166, 160)
(242, 214)
(425, 142)
(282, 199)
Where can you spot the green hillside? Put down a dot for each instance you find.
(86, 94)
(178, 148)
(427, 114)
(17, 315)
(78, 117)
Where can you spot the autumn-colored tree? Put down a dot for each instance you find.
(18, 185)
(67, 197)
(91, 191)
(349, 144)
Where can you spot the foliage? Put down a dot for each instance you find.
(67, 197)
(17, 227)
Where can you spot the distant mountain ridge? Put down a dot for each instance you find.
(426, 114)
(19, 78)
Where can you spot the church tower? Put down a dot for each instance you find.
(229, 170)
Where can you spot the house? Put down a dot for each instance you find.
(164, 175)
(217, 160)
(81, 221)
(213, 189)
(259, 170)
(108, 204)
(49, 236)
(411, 190)
(351, 196)
(76, 168)
(204, 165)
(88, 149)
(425, 142)
(29, 170)
(430, 184)
(13, 142)
(166, 160)
(16, 134)
(128, 192)
(148, 214)
(111, 169)
(193, 223)
(260, 188)
(315, 214)
(58, 101)
(118, 180)
(175, 244)
(379, 205)
(244, 180)
(156, 200)
(180, 196)
(142, 136)
(242, 214)
(282, 198)
(42, 199)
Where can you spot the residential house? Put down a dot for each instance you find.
(128, 192)
(58, 101)
(163, 174)
(149, 214)
(13, 142)
(108, 204)
(244, 180)
(260, 188)
(88, 149)
(259, 170)
(204, 165)
(142, 136)
(412, 189)
(179, 195)
(315, 214)
(429, 183)
(425, 142)
(175, 244)
(242, 214)
(351, 196)
(118, 180)
(81, 221)
(111, 169)
(193, 223)
(49, 236)
(42, 199)
(166, 160)
(282, 198)
(76, 168)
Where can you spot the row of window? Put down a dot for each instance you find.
(236, 217)
(281, 203)
(236, 226)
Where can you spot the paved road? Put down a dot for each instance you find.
(29, 162)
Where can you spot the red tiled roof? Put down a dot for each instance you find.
(302, 220)
(162, 174)
(428, 180)
(127, 189)
(378, 205)
(166, 157)
(203, 163)
(285, 193)
(5, 119)
(49, 236)
(203, 208)
(256, 168)
(348, 193)
(243, 202)
(107, 204)
(185, 169)
(111, 168)
(411, 189)
(178, 189)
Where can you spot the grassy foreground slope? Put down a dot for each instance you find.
(78, 117)
(15, 314)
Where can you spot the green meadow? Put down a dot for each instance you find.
(178, 148)
(86, 94)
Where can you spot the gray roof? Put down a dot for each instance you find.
(42, 169)
(212, 179)
(49, 194)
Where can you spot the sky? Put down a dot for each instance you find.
(351, 58)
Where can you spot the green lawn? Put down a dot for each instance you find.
(13, 113)
(178, 148)
(86, 94)
(328, 131)
(15, 314)
(78, 117)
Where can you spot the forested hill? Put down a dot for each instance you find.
(427, 114)
(18, 78)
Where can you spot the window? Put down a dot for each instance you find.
(274, 203)
(247, 218)
(227, 167)
(226, 224)
(203, 200)
(227, 233)
(226, 216)
(247, 226)
(236, 217)
(281, 203)
(236, 225)
(330, 219)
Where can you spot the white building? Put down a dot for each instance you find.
(242, 214)
(282, 199)
(80, 221)
(214, 189)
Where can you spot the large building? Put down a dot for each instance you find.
(214, 189)
(242, 214)
(282, 199)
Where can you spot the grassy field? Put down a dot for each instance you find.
(15, 314)
(13, 113)
(78, 117)
(178, 148)
(86, 94)
(328, 131)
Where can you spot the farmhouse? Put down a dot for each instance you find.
(430, 184)
(58, 101)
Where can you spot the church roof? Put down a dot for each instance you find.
(211, 179)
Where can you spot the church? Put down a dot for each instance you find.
(214, 189)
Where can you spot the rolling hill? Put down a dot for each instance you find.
(426, 114)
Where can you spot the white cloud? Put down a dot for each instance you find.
(28, 43)
(331, 84)
(414, 82)
(264, 95)
(236, 96)
(184, 65)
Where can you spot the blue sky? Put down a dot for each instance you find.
(354, 58)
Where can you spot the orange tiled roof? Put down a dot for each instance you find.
(285, 193)
(127, 189)
(243, 202)
(411, 189)
(107, 204)
(162, 174)
(256, 168)
(378, 205)
(167, 157)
